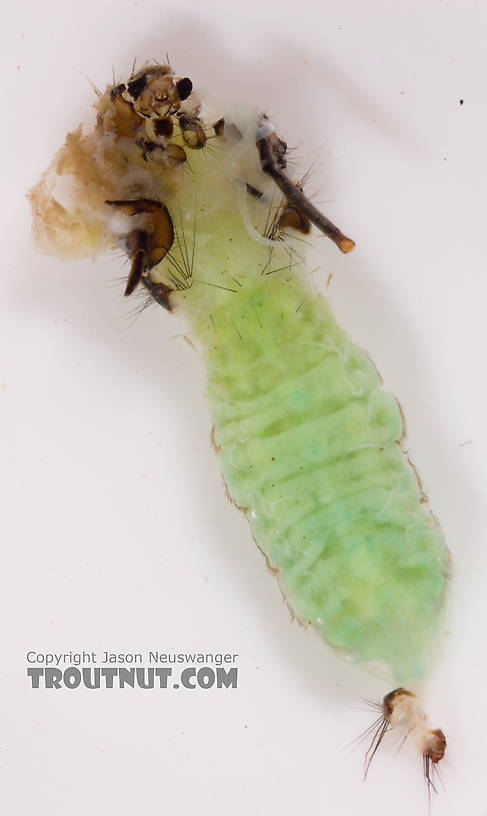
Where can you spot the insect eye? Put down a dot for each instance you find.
(184, 88)
(136, 87)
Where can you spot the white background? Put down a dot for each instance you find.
(115, 528)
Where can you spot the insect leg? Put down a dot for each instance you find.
(270, 150)
(147, 245)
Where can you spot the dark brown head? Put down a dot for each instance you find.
(156, 93)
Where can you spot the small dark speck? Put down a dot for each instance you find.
(468, 442)
(461, 101)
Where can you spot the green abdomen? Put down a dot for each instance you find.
(309, 449)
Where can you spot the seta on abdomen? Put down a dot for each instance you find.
(309, 442)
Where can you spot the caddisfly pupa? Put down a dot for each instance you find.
(309, 442)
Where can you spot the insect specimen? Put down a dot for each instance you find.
(309, 442)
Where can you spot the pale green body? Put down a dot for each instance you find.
(308, 442)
